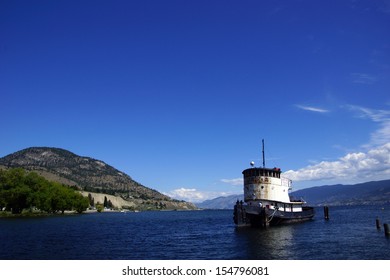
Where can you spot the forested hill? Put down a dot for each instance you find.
(87, 174)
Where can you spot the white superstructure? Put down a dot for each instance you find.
(264, 187)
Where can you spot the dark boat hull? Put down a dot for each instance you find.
(282, 217)
(264, 217)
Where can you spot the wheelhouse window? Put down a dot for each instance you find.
(251, 172)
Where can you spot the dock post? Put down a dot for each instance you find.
(378, 223)
(263, 218)
(326, 212)
(237, 216)
(387, 230)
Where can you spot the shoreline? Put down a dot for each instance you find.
(7, 214)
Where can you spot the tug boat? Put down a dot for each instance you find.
(267, 201)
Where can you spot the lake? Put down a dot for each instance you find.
(209, 234)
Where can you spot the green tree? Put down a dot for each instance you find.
(17, 199)
(80, 203)
(42, 200)
(2, 189)
(14, 178)
(14, 192)
(21, 190)
(99, 207)
(66, 199)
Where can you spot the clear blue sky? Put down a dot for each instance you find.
(179, 94)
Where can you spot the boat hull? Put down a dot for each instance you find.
(245, 215)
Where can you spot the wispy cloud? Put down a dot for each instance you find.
(312, 109)
(382, 134)
(194, 195)
(372, 114)
(363, 78)
(233, 182)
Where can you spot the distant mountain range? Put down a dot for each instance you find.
(89, 175)
(222, 202)
(370, 193)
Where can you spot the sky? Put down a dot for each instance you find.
(179, 94)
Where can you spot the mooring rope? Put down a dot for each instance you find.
(272, 215)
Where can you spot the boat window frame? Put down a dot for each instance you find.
(262, 172)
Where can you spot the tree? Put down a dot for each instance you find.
(13, 190)
(66, 200)
(21, 190)
(80, 203)
(2, 191)
(105, 204)
(99, 207)
(91, 200)
(17, 199)
(109, 204)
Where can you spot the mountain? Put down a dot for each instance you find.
(89, 175)
(375, 192)
(222, 202)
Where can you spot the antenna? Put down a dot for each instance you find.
(263, 155)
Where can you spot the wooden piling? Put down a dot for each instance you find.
(263, 218)
(378, 223)
(387, 230)
(326, 212)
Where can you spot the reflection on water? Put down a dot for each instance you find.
(270, 243)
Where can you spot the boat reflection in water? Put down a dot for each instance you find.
(272, 244)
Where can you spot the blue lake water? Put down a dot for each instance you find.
(210, 234)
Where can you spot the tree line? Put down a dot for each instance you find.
(21, 190)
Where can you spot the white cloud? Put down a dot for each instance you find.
(194, 195)
(312, 109)
(371, 165)
(233, 182)
(186, 194)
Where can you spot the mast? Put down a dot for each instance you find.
(263, 155)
